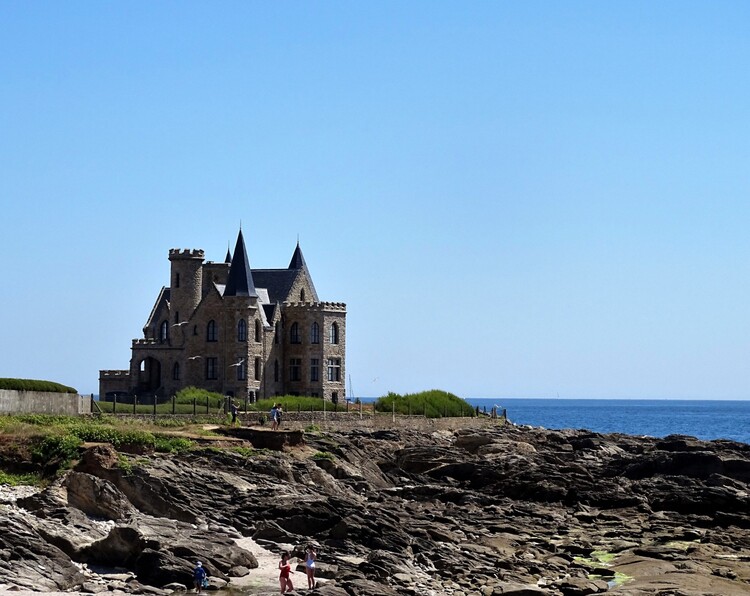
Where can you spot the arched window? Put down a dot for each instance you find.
(294, 334)
(276, 371)
(176, 371)
(257, 330)
(314, 334)
(211, 334)
(302, 295)
(334, 336)
(164, 331)
(241, 330)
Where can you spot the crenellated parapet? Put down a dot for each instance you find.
(147, 343)
(317, 306)
(113, 374)
(186, 253)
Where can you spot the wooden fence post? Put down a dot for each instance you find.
(114, 404)
(194, 408)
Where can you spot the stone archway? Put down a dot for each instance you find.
(149, 375)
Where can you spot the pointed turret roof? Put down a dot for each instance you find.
(240, 280)
(298, 261)
(228, 258)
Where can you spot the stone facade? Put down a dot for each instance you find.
(238, 331)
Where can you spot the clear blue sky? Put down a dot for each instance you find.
(513, 198)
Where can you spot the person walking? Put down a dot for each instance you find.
(310, 557)
(199, 577)
(274, 417)
(285, 568)
(234, 410)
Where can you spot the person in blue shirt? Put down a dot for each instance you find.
(274, 417)
(199, 577)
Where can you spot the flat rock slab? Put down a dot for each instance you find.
(262, 438)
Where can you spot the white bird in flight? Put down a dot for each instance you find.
(194, 357)
(180, 324)
(237, 363)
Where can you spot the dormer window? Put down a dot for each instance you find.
(164, 331)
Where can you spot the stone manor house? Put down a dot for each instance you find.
(238, 331)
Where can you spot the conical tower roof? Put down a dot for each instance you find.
(228, 258)
(240, 279)
(298, 261)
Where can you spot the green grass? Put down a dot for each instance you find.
(432, 404)
(323, 455)
(20, 479)
(296, 403)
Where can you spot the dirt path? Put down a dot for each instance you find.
(265, 578)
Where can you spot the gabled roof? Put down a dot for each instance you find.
(240, 278)
(278, 282)
(269, 310)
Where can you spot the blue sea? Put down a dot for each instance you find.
(704, 419)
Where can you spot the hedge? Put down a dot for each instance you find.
(34, 385)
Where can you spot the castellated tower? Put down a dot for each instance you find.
(187, 282)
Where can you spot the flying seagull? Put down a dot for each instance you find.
(180, 324)
(194, 357)
(238, 363)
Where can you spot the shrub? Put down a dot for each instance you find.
(323, 455)
(35, 385)
(432, 404)
(165, 444)
(58, 450)
(188, 394)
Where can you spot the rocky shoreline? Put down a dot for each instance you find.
(478, 511)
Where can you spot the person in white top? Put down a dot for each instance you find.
(310, 557)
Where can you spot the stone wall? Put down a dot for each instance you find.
(43, 402)
(353, 420)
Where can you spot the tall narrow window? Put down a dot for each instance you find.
(257, 330)
(176, 371)
(277, 332)
(164, 331)
(294, 334)
(334, 369)
(176, 280)
(211, 334)
(275, 371)
(334, 336)
(257, 369)
(212, 368)
(314, 369)
(302, 295)
(241, 330)
(241, 369)
(314, 334)
(177, 316)
(295, 368)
